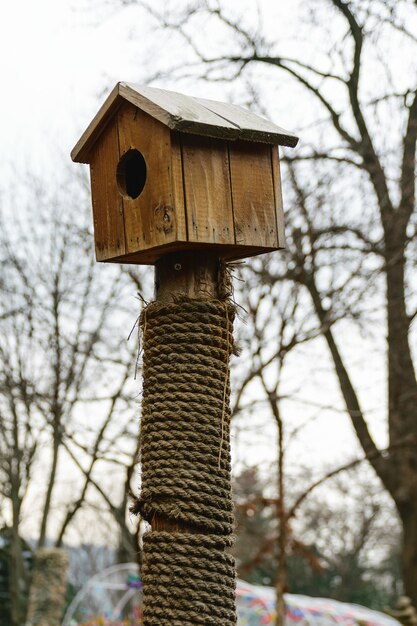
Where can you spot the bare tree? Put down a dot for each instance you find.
(275, 325)
(337, 545)
(66, 414)
(351, 239)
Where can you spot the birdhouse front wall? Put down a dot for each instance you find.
(108, 219)
(155, 191)
(156, 217)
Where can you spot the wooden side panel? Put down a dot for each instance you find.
(207, 190)
(156, 217)
(109, 233)
(279, 211)
(251, 127)
(178, 186)
(253, 195)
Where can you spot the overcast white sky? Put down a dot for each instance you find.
(54, 60)
(58, 56)
(57, 60)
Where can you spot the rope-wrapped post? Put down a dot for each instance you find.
(48, 588)
(188, 572)
(174, 173)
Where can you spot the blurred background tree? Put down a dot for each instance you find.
(337, 547)
(351, 223)
(65, 417)
(337, 309)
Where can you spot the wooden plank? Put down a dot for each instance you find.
(226, 251)
(178, 186)
(205, 117)
(207, 190)
(279, 208)
(252, 127)
(177, 111)
(253, 195)
(184, 114)
(156, 217)
(109, 233)
(82, 149)
(198, 277)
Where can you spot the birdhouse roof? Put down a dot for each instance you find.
(184, 114)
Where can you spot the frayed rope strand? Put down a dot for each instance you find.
(185, 454)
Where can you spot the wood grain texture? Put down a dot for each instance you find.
(184, 114)
(279, 209)
(253, 195)
(252, 127)
(156, 217)
(193, 274)
(81, 152)
(205, 117)
(178, 185)
(207, 190)
(109, 232)
(229, 252)
(176, 110)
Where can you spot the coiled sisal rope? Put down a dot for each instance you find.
(188, 576)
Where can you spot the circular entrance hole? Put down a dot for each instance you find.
(131, 173)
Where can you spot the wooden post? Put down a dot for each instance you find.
(190, 274)
(193, 275)
(183, 183)
(187, 571)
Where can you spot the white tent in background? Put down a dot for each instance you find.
(116, 593)
(256, 607)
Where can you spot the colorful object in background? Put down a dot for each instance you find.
(325, 612)
(104, 621)
(256, 607)
(114, 598)
(133, 581)
(255, 604)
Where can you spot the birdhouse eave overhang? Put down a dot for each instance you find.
(184, 114)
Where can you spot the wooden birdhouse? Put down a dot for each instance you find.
(170, 173)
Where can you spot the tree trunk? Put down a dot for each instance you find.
(282, 568)
(16, 580)
(402, 408)
(402, 384)
(17, 574)
(48, 497)
(409, 549)
(127, 549)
